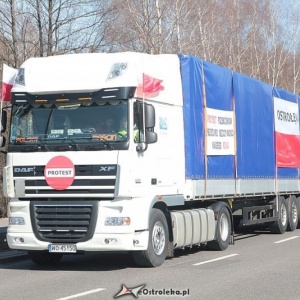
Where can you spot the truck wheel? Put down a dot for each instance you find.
(223, 231)
(280, 225)
(158, 241)
(292, 214)
(44, 258)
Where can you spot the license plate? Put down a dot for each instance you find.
(62, 248)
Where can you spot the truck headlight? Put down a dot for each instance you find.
(16, 221)
(117, 221)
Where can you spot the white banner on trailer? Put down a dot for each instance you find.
(220, 132)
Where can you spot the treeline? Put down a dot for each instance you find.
(255, 37)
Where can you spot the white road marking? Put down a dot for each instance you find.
(285, 240)
(213, 260)
(82, 294)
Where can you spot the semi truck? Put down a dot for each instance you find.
(200, 151)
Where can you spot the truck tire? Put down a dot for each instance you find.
(292, 214)
(223, 231)
(44, 258)
(281, 224)
(158, 242)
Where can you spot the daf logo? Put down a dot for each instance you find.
(23, 170)
(107, 169)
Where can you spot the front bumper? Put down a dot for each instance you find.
(100, 242)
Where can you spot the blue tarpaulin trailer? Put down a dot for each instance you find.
(193, 151)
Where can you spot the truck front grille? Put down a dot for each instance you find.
(64, 222)
(91, 181)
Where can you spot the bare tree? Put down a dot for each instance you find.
(141, 25)
(291, 74)
(8, 29)
(280, 40)
(258, 37)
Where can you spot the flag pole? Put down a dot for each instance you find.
(1, 100)
(1, 107)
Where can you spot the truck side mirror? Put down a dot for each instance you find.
(3, 128)
(149, 116)
(3, 121)
(151, 137)
(2, 142)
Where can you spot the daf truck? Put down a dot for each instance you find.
(203, 150)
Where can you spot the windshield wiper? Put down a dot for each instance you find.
(38, 146)
(70, 146)
(30, 148)
(74, 145)
(67, 144)
(42, 143)
(63, 148)
(105, 145)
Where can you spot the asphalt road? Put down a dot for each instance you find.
(259, 266)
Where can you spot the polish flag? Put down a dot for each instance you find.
(287, 135)
(8, 79)
(151, 87)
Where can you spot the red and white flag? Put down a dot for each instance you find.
(287, 136)
(150, 87)
(8, 79)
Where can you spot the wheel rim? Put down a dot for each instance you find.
(158, 238)
(224, 227)
(283, 215)
(294, 212)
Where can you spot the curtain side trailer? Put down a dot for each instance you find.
(146, 154)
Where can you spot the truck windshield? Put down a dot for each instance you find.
(95, 122)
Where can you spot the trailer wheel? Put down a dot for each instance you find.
(44, 258)
(292, 214)
(223, 231)
(156, 252)
(281, 224)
